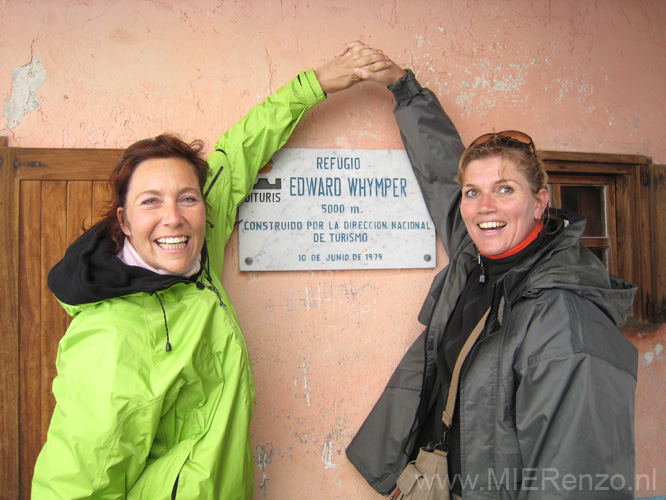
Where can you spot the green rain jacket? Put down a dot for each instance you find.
(131, 418)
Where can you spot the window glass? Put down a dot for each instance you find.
(589, 201)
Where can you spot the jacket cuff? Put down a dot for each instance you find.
(311, 87)
(405, 88)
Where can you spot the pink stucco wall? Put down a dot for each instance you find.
(578, 75)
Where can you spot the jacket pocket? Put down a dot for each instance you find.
(158, 478)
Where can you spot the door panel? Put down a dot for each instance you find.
(30, 324)
(49, 197)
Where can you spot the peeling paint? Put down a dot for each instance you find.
(654, 354)
(327, 455)
(264, 459)
(24, 99)
(483, 92)
(585, 89)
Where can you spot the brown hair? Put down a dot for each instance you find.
(162, 146)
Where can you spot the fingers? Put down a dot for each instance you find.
(377, 72)
(370, 76)
(343, 72)
(381, 74)
(363, 73)
(341, 52)
(362, 57)
(378, 65)
(355, 45)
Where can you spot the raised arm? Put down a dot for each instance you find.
(249, 144)
(433, 146)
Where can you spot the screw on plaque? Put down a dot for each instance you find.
(427, 257)
(248, 261)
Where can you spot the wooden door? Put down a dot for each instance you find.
(48, 197)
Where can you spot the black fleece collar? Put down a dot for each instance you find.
(90, 272)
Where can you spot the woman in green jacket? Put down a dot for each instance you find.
(154, 392)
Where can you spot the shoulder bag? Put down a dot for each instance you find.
(427, 477)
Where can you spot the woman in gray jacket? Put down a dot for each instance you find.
(546, 397)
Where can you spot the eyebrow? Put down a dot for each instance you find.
(153, 192)
(499, 181)
(150, 192)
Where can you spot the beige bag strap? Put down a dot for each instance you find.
(447, 415)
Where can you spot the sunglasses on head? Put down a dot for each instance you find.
(510, 136)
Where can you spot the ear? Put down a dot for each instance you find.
(542, 203)
(125, 227)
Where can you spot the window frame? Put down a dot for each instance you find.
(607, 241)
(633, 199)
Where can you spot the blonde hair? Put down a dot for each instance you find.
(526, 161)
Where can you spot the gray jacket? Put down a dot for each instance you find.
(547, 394)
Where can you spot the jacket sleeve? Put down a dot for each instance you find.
(575, 405)
(387, 439)
(248, 146)
(382, 447)
(434, 147)
(104, 421)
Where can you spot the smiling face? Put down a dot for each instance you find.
(164, 216)
(498, 205)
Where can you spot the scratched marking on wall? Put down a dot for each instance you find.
(313, 300)
(306, 389)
